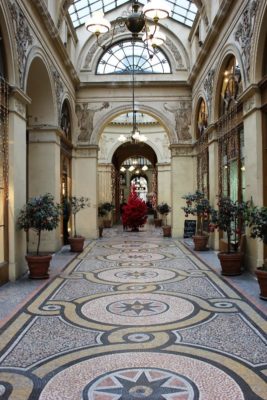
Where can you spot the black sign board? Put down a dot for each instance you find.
(189, 228)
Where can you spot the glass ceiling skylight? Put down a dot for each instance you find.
(183, 11)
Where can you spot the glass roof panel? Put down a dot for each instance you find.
(118, 59)
(181, 10)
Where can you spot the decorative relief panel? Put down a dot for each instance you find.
(182, 119)
(59, 91)
(208, 87)
(85, 113)
(244, 33)
(23, 36)
(176, 53)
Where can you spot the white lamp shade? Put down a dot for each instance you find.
(142, 138)
(97, 23)
(157, 9)
(136, 135)
(122, 138)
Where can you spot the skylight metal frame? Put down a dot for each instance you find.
(183, 11)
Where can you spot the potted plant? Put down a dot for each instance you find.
(102, 212)
(77, 204)
(107, 207)
(39, 214)
(164, 209)
(199, 206)
(230, 218)
(257, 221)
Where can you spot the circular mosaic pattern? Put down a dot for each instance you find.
(149, 384)
(136, 307)
(136, 256)
(139, 337)
(142, 309)
(223, 304)
(135, 245)
(125, 375)
(136, 275)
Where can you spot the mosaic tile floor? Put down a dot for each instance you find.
(135, 316)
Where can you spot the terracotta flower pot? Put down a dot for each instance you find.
(262, 279)
(167, 231)
(38, 266)
(231, 263)
(200, 242)
(76, 244)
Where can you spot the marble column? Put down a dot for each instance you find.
(85, 183)
(183, 181)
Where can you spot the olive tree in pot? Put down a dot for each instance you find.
(230, 218)
(198, 206)
(77, 204)
(102, 212)
(257, 221)
(164, 209)
(107, 207)
(39, 214)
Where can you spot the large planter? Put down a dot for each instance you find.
(200, 242)
(167, 231)
(76, 244)
(262, 279)
(231, 263)
(38, 266)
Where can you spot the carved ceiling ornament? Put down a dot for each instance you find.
(183, 116)
(176, 53)
(24, 39)
(244, 33)
(59, 87)
(208, 87)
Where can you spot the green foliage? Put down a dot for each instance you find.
(230, 217)
(107, 206)
(77, 204)
(257, 221)
(102, 211)
(39, 214)
(197, 205)
(164, 209)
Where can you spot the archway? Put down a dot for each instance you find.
(114, 155)
(134, 163)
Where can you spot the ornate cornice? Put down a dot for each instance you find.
(244, 33)
(24, 38)
(182, 150)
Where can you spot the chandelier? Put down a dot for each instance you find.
(136, 22)
(135, 134)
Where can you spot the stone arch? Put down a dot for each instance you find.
(40, 88)
(91, 52)
(158, 115)
(229, 51)
(149, 143)
(259, 53)
(200, 96)
(8, 38)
